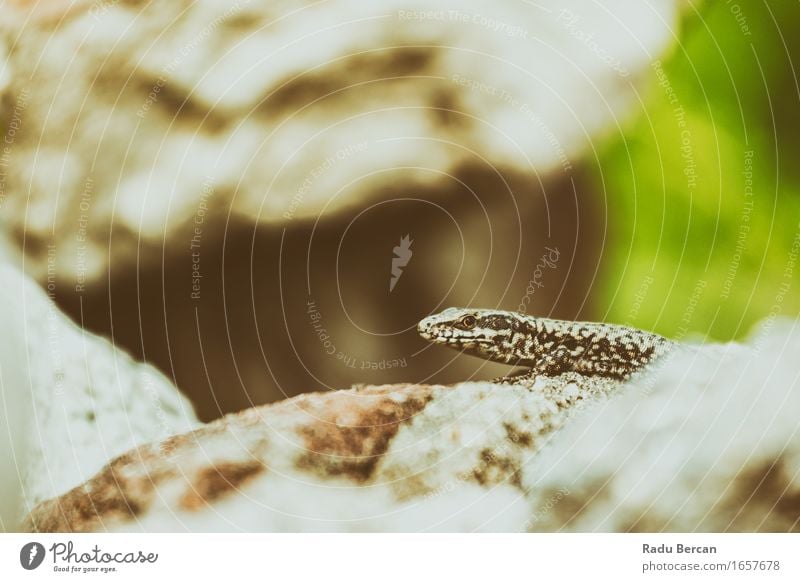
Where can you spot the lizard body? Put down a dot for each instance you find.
(549, 347)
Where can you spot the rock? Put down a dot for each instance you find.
(73, 401)
(375, 458)
(705, 440)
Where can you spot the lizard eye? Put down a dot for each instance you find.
(468, 322)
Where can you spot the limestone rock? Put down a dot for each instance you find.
(71, 399)
(705, 440)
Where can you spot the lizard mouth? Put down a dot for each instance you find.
(448, 337)
(441, 334)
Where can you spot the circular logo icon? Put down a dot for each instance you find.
(31, 555)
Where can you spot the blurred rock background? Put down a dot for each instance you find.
(219, 188)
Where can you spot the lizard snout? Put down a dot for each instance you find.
(433, 330)
(425, 328)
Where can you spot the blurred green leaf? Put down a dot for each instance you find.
(690, 251)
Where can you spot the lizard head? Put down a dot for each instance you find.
(479, 332)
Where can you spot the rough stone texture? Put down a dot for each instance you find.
(72, 401)
(706, 440)
(349, 460)
(709, 442)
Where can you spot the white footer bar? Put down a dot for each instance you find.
(401, 557)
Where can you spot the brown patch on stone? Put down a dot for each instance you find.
(218, 480)
(170, 445)
(338, 77)
(345, 433)
(184, 441)
(495, 469)
(764, 499)
(518, 437)
(125, 488)
(119, 492)
(567, 513)
(349, 434)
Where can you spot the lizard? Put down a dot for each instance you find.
(547, 347)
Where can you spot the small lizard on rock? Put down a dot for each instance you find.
(549, 347)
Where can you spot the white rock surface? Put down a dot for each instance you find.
(706, 440)
(70, 403)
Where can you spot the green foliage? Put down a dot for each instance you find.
(703, 188)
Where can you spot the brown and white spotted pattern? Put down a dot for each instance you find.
(549, 347)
